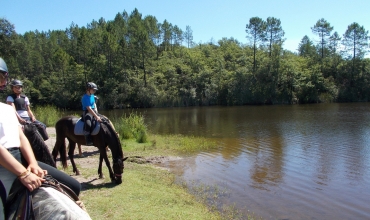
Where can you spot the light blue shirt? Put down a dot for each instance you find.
(88, 100)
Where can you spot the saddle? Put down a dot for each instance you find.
(79, 127)
(53, 200)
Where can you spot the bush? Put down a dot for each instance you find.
(132, 126)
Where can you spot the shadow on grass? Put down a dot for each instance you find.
(88, 185)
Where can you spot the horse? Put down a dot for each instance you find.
(39, 148)
(106, 137)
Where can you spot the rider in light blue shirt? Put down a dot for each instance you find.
(89, 111)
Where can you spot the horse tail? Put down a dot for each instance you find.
(60, 144)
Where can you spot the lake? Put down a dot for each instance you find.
(278, 162)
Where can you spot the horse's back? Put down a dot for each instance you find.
(67, 122)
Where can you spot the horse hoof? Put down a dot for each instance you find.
(101, 176)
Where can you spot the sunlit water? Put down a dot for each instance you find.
(279, 162)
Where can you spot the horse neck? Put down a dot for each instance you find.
(114, 144)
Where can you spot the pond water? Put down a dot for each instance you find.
(278, 162)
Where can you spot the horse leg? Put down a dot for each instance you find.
(111, 174)
(79, 150)
(100, 173)
(103, 155)
(72, 146)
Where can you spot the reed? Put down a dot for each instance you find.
(48, 114)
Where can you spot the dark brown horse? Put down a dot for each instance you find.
(106, 137)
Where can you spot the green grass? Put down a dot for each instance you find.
(48, 115)
(146, 193)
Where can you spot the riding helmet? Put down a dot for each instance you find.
(16, 82)
(91, 85)
(4, 72)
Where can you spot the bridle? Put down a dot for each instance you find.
(118, 164)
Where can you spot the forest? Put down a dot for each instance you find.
(138, 62)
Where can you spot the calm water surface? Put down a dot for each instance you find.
(279, 162)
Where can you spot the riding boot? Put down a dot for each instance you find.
(88, 140)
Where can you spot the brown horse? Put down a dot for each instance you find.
(106, 137)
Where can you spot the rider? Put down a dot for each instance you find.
(13, 146)
(89, 111)
(21, 104)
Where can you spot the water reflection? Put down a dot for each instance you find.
(280, 162)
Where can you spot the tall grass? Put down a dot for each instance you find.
(132, 126)
(48, 115)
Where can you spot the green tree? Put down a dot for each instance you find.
(355, 41)
(256, 34)
(323, 29)
(274, 33)
(7, 32)
(306, 47)
(188, 35)
(166, 31)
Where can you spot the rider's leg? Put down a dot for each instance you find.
(87, 130)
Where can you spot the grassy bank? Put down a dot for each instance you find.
(147, 192)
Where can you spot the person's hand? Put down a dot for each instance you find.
(33, 118)
(82, 206)
(22, 121)
(35, 169)
(98, 119)
(31, 181)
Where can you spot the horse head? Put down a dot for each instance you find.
(118, 167)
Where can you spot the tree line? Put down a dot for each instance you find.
(137, 61)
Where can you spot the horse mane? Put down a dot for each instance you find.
(111, 130)
(39, 148)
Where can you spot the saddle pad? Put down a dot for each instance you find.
(50, 204)
(79, 128)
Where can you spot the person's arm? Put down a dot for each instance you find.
(28, 179)
(30, 113)
(27, 153)
(28, 109)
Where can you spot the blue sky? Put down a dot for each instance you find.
(209, 19)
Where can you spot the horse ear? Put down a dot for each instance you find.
(125, 158)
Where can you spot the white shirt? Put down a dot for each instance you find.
(21, 113)
(9, 127)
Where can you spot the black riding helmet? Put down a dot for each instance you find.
(91, 85)
(16, 82)
(4, 72)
